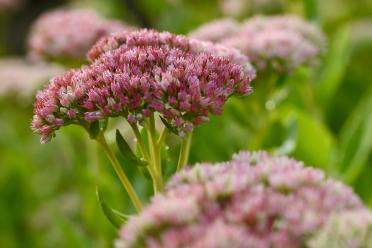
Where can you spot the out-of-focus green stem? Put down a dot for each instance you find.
(184, 151)
(311, 9)
(157, 182)
(119, 171)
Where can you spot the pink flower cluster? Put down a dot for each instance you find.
(240, 8)
(6, 5)
(20, 78)
(255, 200)
(349, 229)
(281, 43)
(216, 30)
(139, 73)
(69, 33)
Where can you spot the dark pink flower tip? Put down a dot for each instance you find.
(145, 72)
(69, 33)
(254, 200)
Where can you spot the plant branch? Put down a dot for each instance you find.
(184, 151)
(119, 171)
(157, 182)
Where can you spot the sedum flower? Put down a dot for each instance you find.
(349, 229)
(216, 30)
(240, 8)
(21, 78)
(136, 74)
(254, 200)
(281, 43)
(68, 33)
(10, 5)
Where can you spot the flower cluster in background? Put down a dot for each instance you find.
(69, 33)
(281, 43)
(22, 78)
(216, 31)
(6, 5)
(238, 8)
(136, 74)
(255, 200)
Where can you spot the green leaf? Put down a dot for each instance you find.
(103, 124)
(356, 140)
(335, 66)
(169, 126)
(127, 152)
(289, 144)
(311, 9)
(94, 129)
(124, 217)
(114, 217)
(313, 141)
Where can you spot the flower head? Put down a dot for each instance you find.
(22, 79)
(66, 33)
(217, 30)
(239, 8)
(349, 229)
(6, 5)
(139, 73)
(281, 43)
(254, 200)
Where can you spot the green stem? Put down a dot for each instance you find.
(142, 146)
(184, 152)
(119, 171)
(157, 182)
(154, 149)
(162, 137)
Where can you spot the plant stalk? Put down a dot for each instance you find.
(184, 151)
(154, 149)
(162, 137)
(119, 171)
(157, 182)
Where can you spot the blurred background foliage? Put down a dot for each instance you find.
(322, 116)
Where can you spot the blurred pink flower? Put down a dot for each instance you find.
(21, 78)
(135, 74)
(281, 43)
(69, 33)
(254, 200)
(216, 30)
(6, 5)
(239, 8)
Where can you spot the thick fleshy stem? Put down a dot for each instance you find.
(157, 182)
(153, 147)
(162, 136)
(119, 171)
(184, 151)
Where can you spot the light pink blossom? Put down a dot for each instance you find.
(281, 43)
(254, 200)
(216, 30)
(69, 33)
